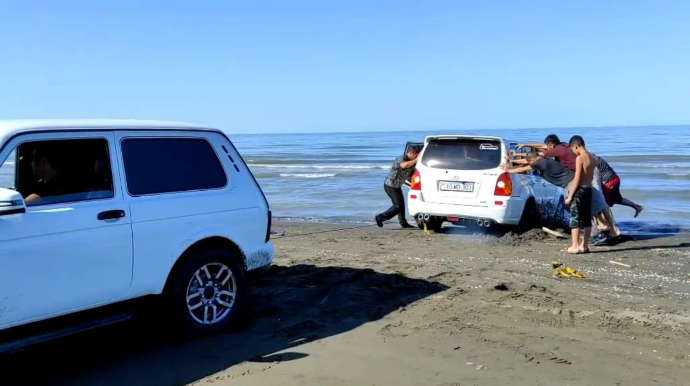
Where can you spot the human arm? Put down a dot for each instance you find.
(520, 169)
(538, 146)
(576, 180)
(519, 161)
(32, 197)
(408, 164)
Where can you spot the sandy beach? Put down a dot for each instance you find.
(369, 306)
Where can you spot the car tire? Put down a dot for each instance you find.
(208, 293)
(434, 225)
(530, 217)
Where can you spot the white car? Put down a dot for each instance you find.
(129, 209)
(458, 179)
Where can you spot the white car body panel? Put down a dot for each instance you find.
(481, 203)
(58, 259)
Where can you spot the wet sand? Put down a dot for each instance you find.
(369, 306)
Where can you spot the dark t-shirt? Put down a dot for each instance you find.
(606, 172)
(563, 154)
(554, 172)
(56, 186)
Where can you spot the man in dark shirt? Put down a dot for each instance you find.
(551, 170)
(400, 172)
(51, 183)
(554, 148)
(610, 186)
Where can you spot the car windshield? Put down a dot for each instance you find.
(462, 154)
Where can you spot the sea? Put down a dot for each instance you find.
(338, 177)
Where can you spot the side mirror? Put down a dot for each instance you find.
(11, 202)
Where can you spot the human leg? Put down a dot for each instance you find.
(586, 218)
(575, 221)
(400, 200)
(394, 209)
(617, 198)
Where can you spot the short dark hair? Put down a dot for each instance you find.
(532, 154)
(577, 140)
(552, 139)
(48, 152)
(415, 148)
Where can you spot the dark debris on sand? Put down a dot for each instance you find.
(527, 238)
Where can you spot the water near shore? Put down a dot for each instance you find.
(339, 177)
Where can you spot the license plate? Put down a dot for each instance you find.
(456, 186)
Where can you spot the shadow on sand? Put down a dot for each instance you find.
(291, 306)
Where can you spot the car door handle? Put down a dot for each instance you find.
(111, 214)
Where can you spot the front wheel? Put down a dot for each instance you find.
(208, 292)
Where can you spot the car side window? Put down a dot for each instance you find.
(8, 171)
(65, 170)
(170, 165)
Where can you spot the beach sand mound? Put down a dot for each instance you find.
(527, 238)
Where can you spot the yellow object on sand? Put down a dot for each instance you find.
(426, 231)
(568, 272)
(555, 264)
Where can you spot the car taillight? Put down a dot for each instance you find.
(416, 181)
(268, 228)
(504, 185)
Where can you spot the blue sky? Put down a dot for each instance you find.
(318, 66)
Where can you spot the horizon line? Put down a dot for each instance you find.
(360, 131)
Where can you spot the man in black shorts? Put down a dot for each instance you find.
(580, 196)
(400, 172)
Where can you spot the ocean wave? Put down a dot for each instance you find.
(320, 167)
(308, 175)
(648, 157)
(651, 165)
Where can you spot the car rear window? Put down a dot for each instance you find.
(166, 165)
(462, 154)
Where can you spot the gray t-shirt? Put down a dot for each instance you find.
(554, 172)
(606, 172)
(397, 176)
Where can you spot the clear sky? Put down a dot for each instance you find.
(295, 66)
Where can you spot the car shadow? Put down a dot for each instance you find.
(290, 306)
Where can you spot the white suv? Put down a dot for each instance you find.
(458, 179)
(96, 213)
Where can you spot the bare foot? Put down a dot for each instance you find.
(572, 251)
(638, 210)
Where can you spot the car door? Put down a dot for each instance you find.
(70, 251)
(407, 148)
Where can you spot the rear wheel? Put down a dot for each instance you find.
(530, 218)
(207, 294)
(434, 224)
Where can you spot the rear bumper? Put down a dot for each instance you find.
(260, 257)
(507, 214)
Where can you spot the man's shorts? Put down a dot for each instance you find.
(612, 191)
(581, 208)
(598, 200)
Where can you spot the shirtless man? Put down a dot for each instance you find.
(580, 196)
